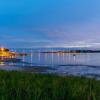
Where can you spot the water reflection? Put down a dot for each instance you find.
(1, 63)
(52, 58)
(58, 58)
(39, 57)
(72, 63)
(23, 58)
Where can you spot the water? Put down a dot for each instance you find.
(82, 64)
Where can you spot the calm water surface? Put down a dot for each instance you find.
(82, 64)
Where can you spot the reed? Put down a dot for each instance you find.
(26, 86)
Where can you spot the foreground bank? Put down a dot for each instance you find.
(27, 86)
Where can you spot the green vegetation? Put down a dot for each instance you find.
(27, 86)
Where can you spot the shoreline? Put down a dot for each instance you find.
(50, 70)
(73, 51)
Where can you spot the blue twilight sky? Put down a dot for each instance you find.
(47, 23)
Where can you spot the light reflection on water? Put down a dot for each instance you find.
(64, 63)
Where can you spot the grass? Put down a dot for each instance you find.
(27, 86)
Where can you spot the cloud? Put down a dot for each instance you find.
(47, 23)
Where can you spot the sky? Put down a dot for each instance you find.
(49, 23)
